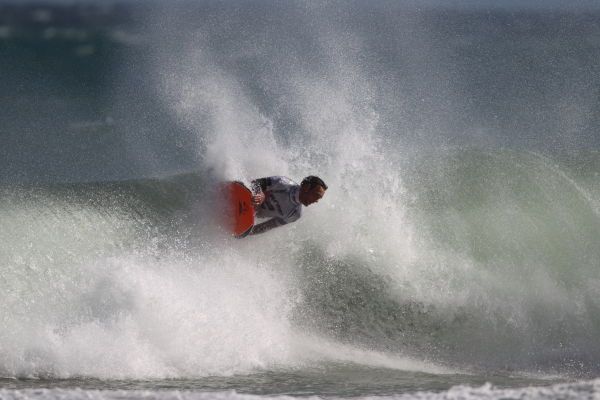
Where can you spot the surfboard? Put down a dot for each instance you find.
(239, 213)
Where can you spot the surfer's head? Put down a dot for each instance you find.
(312, 189)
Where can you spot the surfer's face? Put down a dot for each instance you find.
(309, 196)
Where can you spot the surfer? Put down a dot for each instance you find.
(280, 199)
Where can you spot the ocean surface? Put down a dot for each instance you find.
(456, 254)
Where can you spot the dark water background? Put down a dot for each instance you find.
(80, 100)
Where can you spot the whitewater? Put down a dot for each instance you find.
(455, 254)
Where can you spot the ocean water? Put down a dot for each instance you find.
(456, 254)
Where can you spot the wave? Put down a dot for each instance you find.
(482, 255)
(122, 279)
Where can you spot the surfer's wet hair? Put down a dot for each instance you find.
(313, 181)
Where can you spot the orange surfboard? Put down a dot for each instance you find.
(239, 213)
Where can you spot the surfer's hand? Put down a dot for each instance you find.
(258, 199)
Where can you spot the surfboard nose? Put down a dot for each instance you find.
(237, 210)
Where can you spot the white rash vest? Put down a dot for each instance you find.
(281, 199)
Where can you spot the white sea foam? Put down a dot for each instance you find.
(137, 317)
(569, 391)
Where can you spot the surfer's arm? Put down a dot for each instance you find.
(267, 226)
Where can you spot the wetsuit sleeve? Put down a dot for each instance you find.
(294, 216)
(267, 226)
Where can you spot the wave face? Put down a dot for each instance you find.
(460, 230)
